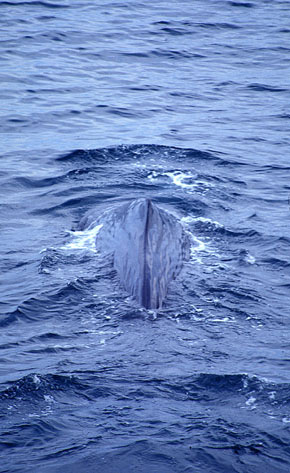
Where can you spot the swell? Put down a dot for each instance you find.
(35, 3)
(200, 387)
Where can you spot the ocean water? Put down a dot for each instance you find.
(187, 103)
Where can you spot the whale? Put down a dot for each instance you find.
(148, 246)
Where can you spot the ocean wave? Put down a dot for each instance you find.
(34, 3)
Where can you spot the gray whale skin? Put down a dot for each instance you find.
(148, 245)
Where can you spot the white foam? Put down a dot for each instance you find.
(197, 309)
(251, 402)
(183, 179)
(48, 398)
(245, 382)
(200, 250)
(199, 245)
(83, 240)
(191, 220)
(208, 220)
(224, 319)
(36, 379)
(186, 180)
(250, 259)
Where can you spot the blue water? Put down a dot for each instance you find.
(186, 103)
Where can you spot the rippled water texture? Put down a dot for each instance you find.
(186, 103)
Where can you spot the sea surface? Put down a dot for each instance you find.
(187, 103)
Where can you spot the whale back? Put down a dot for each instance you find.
(148, 247)
(150, 252)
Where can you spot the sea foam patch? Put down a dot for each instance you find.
(83, 240)
(184, 179)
